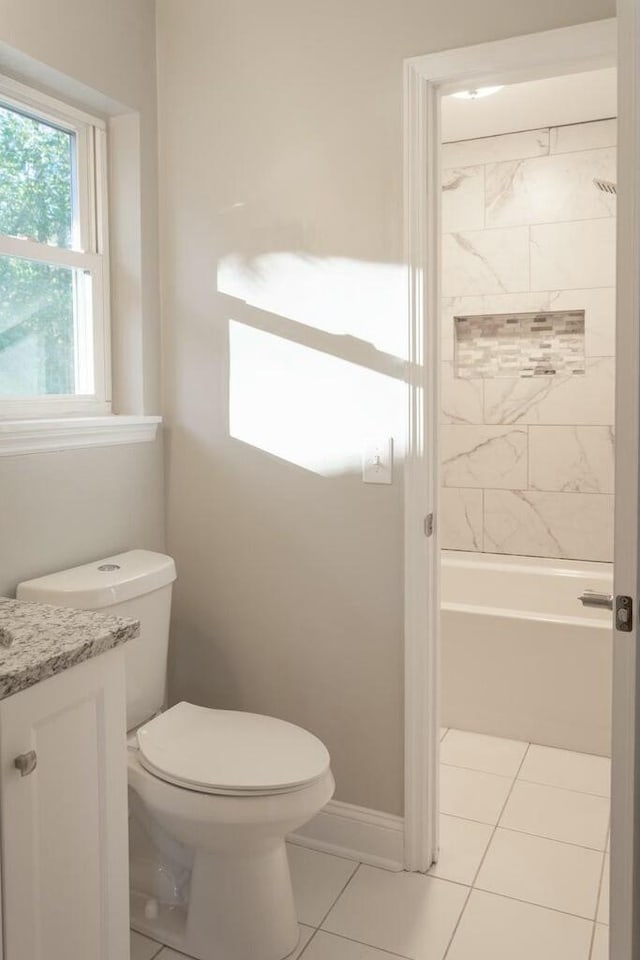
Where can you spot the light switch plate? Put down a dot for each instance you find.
(377, 461)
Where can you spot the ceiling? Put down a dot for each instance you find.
(556, 101)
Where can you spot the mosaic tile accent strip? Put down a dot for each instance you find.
(520, 345)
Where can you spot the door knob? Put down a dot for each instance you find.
(26, 763)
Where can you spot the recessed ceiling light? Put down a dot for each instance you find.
(476, 94)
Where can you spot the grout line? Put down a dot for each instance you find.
(522, 423)
(528, 489)
(534, 903)
(364, 943)
(160, 946)
(518, 899)
(486, 851)
(540, 836)
(429, 876)
(335, 856)
(458, 922)
(518, 775)
(600, 886)
(516, 293)
(605, 218)
(524, 833)
(306, 946)
(514, 133)
(334, 902)
(470, 888)
(454, 883)
(488, 773)
(318, 927)
(339, 895)
(484, 196)
(484, 855)
(506, 896)
(526, 556)
(554, 786)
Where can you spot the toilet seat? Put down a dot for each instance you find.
(228, 752)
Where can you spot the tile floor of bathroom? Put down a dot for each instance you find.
(523, 870)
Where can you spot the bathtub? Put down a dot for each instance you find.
(520, 656)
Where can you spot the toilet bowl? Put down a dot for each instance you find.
(212, 793)
(230, 786)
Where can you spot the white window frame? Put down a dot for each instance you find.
(90, 252)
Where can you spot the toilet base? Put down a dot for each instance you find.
(273, 933)
(241, 905)
(166, 928)
(239, 902)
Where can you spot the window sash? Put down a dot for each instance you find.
(88, 344)
(92, 255)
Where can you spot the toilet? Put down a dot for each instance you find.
(212, 793)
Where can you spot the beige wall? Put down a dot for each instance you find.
(61, 509)
(281, 227)
(58, 509)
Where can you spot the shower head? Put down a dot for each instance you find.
(607, 186)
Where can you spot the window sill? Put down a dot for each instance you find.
(19, 437)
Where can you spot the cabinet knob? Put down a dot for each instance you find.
(26, 763)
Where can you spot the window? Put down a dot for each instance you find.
(53, 268)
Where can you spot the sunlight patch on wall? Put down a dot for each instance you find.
(307, 407)
(334, 294)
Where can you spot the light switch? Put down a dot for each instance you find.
(377, 461)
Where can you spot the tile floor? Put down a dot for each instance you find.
(523, 869)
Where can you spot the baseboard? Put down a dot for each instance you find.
(357, 833)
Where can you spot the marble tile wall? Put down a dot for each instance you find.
(527, 464)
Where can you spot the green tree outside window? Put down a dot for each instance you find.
(36, 299)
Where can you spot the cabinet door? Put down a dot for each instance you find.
(65, 883)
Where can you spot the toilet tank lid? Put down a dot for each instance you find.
(102, 583)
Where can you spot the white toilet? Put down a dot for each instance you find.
(212, 793)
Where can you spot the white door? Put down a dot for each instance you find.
(625, 815)
(64, 822)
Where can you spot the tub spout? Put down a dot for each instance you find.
(590, 598)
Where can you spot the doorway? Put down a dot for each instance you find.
(575, 55)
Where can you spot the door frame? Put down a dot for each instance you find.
(625, 817)
(426, 79)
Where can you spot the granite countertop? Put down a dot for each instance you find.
(38, 640)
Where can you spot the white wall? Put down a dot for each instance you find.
(58, 509)
(281, 226)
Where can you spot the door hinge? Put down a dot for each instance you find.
(624, 614)
(428, 525)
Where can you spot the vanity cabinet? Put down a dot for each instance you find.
(63, 815)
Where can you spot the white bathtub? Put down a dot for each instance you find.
(521, 656)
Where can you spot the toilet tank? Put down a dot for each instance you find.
(134, 584)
